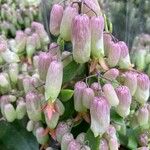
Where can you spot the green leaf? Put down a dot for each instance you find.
(13, 136)
(116, 118)
(65, 94)
(71, 70)
(92, 141)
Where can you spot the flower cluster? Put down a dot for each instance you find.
(93, 85)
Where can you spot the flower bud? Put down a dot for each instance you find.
(4, 84)
(97, 27)
(66, 139)
(49, 148)
(96, 87)
(30, 46)
(91, 8)
(103, 145)
(123, 93)
(36, 126)
(13, 72)
(124, 62)
(113, 144)
(88, 96)
(111, 74)
(44, 61)
(39, 29)
(140, 60)
(11, 98)
(42, 138)
(81, 38)
(35, 61)
(33, 105)
(142, 91)
(131, 81)
(9, 56)
(78, 96)
(110, 133)
(27, 84)
(61, 129)
(37, 40)
(142, 116)
(107, 43)
(10, 113)
(30, 126)
(3, 101)
(65, 27)
(110, 94)
(59, 107)
(74, 145)
(52, 122)
(81, 138)
(143, 139)
(21, 109)
(53, 80)
(20, 41)
(55, 19)
(113, 54)
(100, 115)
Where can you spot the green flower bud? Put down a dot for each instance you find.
(42, 138)
(81, 38)
(81, 138)
(10, 113)
(30, 126)
(53, 81)
(65, 27)
(66, 139)
(21, 109)
(4, 83)
(13, 72)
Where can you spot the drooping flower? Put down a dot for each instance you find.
(65, 27)
(96, 87)
(55, 19)
(110, 94)
(100, 115)
(88, 96)
(97, 45)
(53, 80)
(78, 96)
(33, 105)
(131, 81)
(113, 54)
(142, 91)
(124, 95)
(124, 62)
(81, 38)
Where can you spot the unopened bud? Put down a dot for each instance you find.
(100, 115)
(74, 145)
(88, 96)
(65, 27)
(30, 126)
(9, 112)
(103, 145)
(142, 91)
(78, 96)
(124, 96)
(55, 19)
(81, 38)
(113, 144)
(97, 27)
(61, 129)
(33, 105)
(96, 88)
(66, 139)
(21, 109)
(143, 139)
(110, 94)
(53, 80)
(81, 138)
(42, 138)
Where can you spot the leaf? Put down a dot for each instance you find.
(65, 94)
(13, 136)
(116, 118)
(71, 70)
(93, 142)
